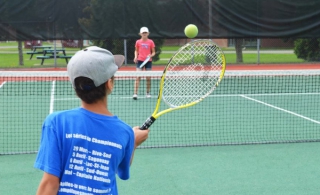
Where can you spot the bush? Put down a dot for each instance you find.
(307, 49)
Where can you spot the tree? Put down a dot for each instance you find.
(307, 49)
(238, 47)
(21, 63)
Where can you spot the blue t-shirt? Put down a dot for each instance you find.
(86, 151)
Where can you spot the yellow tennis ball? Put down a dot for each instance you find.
(191, 31)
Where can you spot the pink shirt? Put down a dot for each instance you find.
(144, 48)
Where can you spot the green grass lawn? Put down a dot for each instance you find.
(12, 61)
(9, 43)
(264, 58)
(250, 58)
(9, 57)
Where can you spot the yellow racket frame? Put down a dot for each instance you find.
(156, 115)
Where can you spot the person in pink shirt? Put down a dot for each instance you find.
(144, 47)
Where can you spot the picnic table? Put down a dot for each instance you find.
(54, 53)
(35, 51)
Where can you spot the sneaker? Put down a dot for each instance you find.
(148, 95)
(135, 96)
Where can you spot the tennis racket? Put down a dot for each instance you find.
(144, 62)
(191, 75)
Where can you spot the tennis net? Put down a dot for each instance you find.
(248, 107)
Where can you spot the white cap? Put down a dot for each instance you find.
(95, 63)
(144, 29)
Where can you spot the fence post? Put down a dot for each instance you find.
(258, 50)
(125, 51)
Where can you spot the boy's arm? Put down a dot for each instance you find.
(49, 185)
(139, 137)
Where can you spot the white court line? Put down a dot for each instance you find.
(231, 95)
(3, 84)
(281, 94)
(52, 96)
(66, 99)
(281, 109)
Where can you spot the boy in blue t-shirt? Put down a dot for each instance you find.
(83, 149)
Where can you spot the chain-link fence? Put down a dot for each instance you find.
(238, 51)
(265, 51)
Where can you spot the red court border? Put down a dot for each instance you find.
(229, 67)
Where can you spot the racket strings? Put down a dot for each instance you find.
(192, 73)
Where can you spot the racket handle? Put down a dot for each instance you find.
(148, 123)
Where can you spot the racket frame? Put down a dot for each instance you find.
(144, 62)
(155, 114)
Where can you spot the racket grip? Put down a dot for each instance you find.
(148, 123)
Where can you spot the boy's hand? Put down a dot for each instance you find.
(140, 135)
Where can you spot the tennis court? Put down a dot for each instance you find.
(248, 107)
(258, 132)
(272, 169)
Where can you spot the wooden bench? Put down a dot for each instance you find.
(33, 52)
(66, 57)
(51, 52)
(43, 58)
(51, 56)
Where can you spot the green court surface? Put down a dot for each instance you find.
(266, 169)
(242, 110)
(245, 109)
